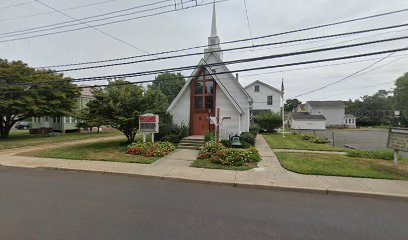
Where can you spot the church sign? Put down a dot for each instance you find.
(149, 123)
(398, 140)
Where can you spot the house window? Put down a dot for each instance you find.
(54, 119)
(269, 100)
(256, 88)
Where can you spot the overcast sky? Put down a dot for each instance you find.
(191, 27)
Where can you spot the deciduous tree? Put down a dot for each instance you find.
(26, 92)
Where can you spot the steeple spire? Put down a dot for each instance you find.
(214, 23)
(213, 40)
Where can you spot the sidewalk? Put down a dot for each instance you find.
(269, 174)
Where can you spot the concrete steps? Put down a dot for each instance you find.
(191, 142)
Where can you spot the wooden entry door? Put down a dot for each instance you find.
(202, 103)
(200, 124)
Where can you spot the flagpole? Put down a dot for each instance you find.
(283, 110)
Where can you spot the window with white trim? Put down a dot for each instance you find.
(256, 88)
(269, 100)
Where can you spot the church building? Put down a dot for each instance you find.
(206, 90)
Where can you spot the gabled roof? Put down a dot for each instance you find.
(306, 116)
(262, 83)
(326, 104)
(222, 86)
(349, 116)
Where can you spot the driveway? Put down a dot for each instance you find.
(374, 139)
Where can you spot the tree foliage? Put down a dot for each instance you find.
(291, 104)
(268, 121)
(19, 100)
(120, 104)
(401, 98)
(372, 110)
(169, 84)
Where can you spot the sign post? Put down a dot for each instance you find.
(398, 140)
(148, 123)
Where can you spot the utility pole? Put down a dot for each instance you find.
(217, 132)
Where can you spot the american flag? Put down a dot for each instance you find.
(282, 89)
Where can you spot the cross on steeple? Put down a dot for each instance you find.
(214, 40)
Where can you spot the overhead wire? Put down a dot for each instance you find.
(136, 74)
(221, 50)
(253, 59)
(40, 28)
(111, 22)
(94, 28)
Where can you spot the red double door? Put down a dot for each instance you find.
(202, 103)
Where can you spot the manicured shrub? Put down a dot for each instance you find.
(169, 131)
(268, 121)
(320, 140)
(377, 154)
(209, 137)
(171, 138)
(248, 137)
(225, 142)
(254, 129)
(228, 156)
(306, 136)
(158, 149)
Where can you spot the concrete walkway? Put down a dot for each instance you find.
(268, 174)
(307, 151)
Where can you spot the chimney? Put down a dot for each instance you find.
(236, 76)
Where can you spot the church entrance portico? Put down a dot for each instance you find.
(202, 103)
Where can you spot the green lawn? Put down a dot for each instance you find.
(206, 163)
(341, 165)
(114, 151)
(21, 138)
(291, 141)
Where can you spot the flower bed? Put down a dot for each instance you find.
(229, 156)
(158, 149)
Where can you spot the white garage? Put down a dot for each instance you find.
(305, 121)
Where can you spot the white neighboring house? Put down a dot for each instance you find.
(350, 121)
(264, 97)
(205, 91)
(306, 121)
(333, 111)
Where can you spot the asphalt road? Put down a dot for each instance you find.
(52, 204)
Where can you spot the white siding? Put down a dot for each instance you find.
(181, 111)
(260, 98)
(227, 110)
(334, 116)
(230, 83)
(308, 124)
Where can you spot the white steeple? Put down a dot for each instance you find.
(213, 40)
(214, 23)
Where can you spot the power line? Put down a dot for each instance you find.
(248, 59)
(94, 28)
(63, 9)
(222, 50)
(112, 22)
(16, 5)
(235, 41)
(38, 29)
(247, 18)
(371, 70)
(203, 4)
(320, 66)
(348, 76)
(136, 74)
